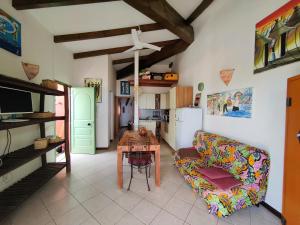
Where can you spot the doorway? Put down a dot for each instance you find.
(291, 197)
(124, 115)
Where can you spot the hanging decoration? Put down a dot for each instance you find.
(226, 75)
(31, 70)
(197, 100)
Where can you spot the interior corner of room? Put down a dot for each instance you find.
(92, 90)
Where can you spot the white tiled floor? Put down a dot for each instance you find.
(89, 196)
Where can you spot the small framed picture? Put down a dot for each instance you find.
(97, 84)
(124, 88)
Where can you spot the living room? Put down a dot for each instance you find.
(231, 68)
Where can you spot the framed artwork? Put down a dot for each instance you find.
(10, 34)
(236, 103)
(124, 88)
(97, 84)
(277, 38)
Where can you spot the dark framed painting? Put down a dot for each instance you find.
(277, 38)
(124, 88)
(10, 34)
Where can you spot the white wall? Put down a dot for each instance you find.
(224, 38)
(37, 48)
(100, 68)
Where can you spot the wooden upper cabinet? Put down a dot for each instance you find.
(181, 97)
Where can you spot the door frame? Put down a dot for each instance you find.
(289, 81)
(118, 112)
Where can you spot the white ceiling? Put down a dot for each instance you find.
(103, 16)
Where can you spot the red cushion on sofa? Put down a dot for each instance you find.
(225, 183)
(214, 172)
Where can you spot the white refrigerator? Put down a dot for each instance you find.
(187, 122)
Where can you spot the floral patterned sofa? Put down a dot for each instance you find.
(247, 164)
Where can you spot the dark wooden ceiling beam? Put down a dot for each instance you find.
(155, 57)
(199, 10)
(116, 50)
(35, 4)
(163, 13)
(126, 60)
(105, 33)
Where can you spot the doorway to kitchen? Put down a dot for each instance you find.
(125, 114)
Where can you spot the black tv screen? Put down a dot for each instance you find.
(14, 101)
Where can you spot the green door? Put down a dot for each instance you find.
(83, 120)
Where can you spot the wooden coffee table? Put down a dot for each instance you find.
(148, 143)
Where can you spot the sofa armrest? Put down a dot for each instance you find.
(187, 153)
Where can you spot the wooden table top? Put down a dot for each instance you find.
(134, 137)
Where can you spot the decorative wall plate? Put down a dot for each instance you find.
(226, 75)
(31, 70)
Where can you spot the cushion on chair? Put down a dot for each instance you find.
(214, 172)
(139, 159)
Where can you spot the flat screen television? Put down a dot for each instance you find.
(13, 101)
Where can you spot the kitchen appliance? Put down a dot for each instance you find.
(187, 122)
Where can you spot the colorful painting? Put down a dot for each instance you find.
(277, 38)
(236, 103)
(10, 34)
(97, 84)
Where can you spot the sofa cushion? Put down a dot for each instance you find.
(214, 172)
(225, 183)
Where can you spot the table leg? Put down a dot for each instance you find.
(120, 168)
(157, 167)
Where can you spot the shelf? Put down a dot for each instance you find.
(5, 125)
(22, 156)
(15, 195)
(11, 82)
(155, 83)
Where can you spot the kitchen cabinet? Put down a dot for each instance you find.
(148, 124)
(163, 101)
(180, 97)
(147, 101)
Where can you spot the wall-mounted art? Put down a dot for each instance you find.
(124, 88)
(97, 84)
(236, 103)
(226, 75)
(31, 70)
(277, 38)
(10, 33)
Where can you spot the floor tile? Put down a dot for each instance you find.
(111, 214)
(85, 193)
(129, 219)
(97, 203)
(198, 217)
(128, 200)
(62, 206)
(165, 218)
(178, 207)
(75, 216)
(145, 211)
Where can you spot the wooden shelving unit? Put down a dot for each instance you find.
(155, 83)
(5, 126)
(13, 196)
